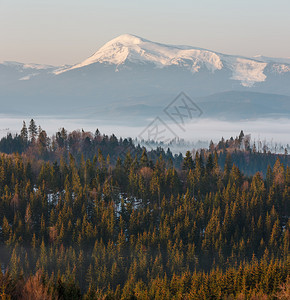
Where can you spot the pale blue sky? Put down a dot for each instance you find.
(66, 32)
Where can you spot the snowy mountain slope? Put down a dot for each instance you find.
(266, 59)
(130, 74)
(11, 70)
(135, 49)
(25, 66)
(129, 48)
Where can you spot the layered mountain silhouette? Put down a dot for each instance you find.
(131, 77)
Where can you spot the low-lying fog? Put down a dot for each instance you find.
(274, 131)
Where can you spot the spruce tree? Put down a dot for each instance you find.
(32, 130)
(24, 133)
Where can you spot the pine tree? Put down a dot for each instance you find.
(188, 161)
(24, 133)
(32, 130)
(144, 159)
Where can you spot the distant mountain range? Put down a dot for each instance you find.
(131, 77)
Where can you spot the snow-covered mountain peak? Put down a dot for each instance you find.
(131, 48)
(126, 39)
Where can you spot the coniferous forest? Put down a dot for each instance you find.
(91, 216)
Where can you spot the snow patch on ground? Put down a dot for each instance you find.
(247, 71)
(37, 66)
(27, 77)
(136, 203)
(3, 268)
(280, 69)
(53, 198)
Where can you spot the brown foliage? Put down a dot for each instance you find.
(52, 234)
(34, 289)
(284, 290)
(146, 173)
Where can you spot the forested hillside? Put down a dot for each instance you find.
(93, 217)
(35, 143)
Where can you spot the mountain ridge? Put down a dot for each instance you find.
(129, 71)
(131, 49)
(134, 49)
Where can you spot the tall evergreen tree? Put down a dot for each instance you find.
(32, 130)
(24, 133)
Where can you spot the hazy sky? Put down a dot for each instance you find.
(68, 31)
